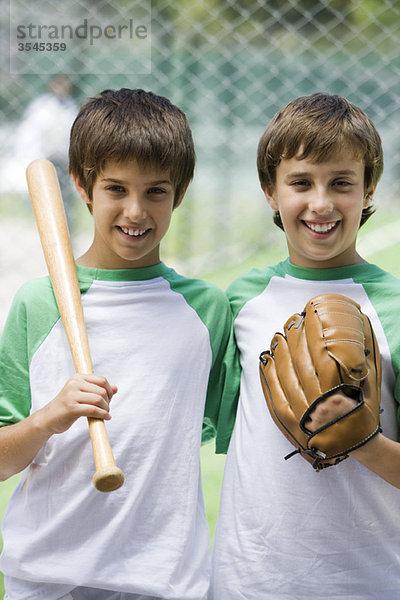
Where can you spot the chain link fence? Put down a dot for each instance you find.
(230, 65)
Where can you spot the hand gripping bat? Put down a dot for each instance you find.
(52, 225)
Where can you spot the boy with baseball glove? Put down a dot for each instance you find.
(320, 387)
(164, 340)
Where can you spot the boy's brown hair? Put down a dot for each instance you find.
(122, 125)
(316, 127)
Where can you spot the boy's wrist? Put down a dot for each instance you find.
(368, 451)
(41, 425)
(382, 456)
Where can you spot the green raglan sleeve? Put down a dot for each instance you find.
(383, 290)
(224, 380)
(212, 307)
(238, 293)
(15, 399)
(31, 317)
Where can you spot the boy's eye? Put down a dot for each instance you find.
(156, 190)
(300, 183)
(342, 183)
(117, 189)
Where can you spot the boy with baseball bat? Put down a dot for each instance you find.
(287, 531)
(162, 351)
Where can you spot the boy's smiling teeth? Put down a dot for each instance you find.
(132, 231)
(321, 227)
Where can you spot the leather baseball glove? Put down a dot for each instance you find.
(327, 349)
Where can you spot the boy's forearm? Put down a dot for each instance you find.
(382, 456)
(19, 444)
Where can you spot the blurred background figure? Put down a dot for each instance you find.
(44, 133)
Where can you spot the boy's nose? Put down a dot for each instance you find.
(321, 203)
(135, 209)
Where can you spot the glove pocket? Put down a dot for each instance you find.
(345, 433)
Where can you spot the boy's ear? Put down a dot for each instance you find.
(81, 191)
(368, 198)
(181, 197)
(269, 194)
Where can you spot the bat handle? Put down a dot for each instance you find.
(108, 476)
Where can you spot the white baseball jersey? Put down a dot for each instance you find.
(286, 532)
(166, 342)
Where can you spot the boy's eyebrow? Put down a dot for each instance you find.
(114, 180)
(308, 174)
(160, 182)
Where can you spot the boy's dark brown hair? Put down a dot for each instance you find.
(316, 127)
(122, 125)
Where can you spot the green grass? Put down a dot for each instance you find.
(212, 467)
(6, 489)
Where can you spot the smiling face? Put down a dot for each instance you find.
(320, 205)
(132, 207)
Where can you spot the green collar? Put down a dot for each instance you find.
(348, 272)
(140, 274)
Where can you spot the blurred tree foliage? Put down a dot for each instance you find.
(185, 26)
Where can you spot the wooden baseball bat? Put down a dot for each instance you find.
(51, 221)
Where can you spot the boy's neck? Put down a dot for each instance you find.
(342, 260)
(92, 260)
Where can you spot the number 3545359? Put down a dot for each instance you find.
(42, 47)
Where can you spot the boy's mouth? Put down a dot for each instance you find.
(321, 227)
(133, 231)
